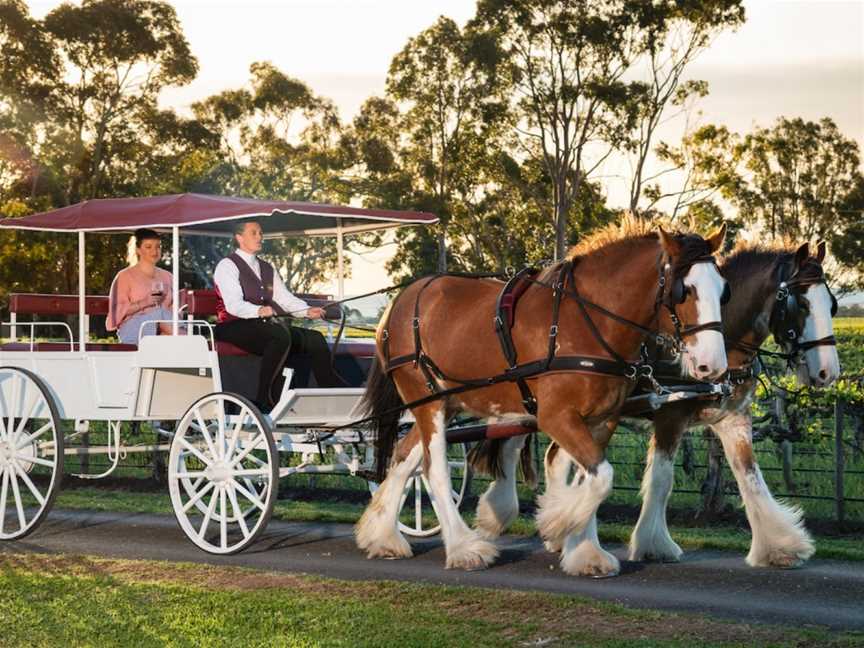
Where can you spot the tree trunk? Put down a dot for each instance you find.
(442, 251)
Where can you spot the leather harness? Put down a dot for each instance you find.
(504, 319)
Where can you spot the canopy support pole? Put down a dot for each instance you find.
(340, 262)
(175, 283)
(82, 290)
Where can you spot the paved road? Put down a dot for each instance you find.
(827, 593)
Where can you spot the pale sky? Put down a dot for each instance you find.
(793, 58)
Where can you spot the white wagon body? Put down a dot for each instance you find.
(224, 455)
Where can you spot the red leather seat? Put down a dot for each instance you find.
(64, 346)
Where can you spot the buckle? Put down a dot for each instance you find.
(631, 376)
(553, 331)
(415, 322)
(385, 335)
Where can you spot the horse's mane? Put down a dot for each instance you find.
(742, 268)
(748, 259)
(628, 228)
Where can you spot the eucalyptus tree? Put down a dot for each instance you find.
(116, 56)
(565, 61)
(674, 33)
(445, 83)
(275, 139)
(28, 64)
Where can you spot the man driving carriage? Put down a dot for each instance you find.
(253, 312)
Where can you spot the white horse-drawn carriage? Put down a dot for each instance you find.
(225, 456)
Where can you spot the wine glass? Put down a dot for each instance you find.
(157, 290)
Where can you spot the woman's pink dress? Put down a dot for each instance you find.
(131, 285)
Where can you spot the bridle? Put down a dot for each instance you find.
(785, 312)
(672, 292)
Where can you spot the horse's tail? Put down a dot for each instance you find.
(382, 401)
(485, 458)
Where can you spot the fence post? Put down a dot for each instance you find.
(838, 460)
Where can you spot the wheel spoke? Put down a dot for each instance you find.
(249, 496)
(207, 517)
(4, 490)
(32, 437)
(205, 432)
(19, 504)
(24, 419)
(418, 504)
(249, 448)
(26, 478)
(235, 434)
(16, 382)
(238, 512)
(195, 451)
(223, 520)
(195, 498)
(220, 428)
(39, 461)
(190, 474)
(252, 472)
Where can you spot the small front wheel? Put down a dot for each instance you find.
(222, 473)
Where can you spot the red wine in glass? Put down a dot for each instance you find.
(157, 289)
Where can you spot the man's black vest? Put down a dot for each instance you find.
(255, 290)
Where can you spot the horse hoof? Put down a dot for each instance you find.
(670, 554)
(472, 555)
(592, 562)
(552, 546)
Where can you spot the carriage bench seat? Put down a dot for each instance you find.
(61, 305)
(64, 346)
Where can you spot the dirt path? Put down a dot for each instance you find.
(824, 593)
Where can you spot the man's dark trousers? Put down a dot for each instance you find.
(274, 341)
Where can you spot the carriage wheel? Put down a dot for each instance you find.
(31, 452)
(222, 473)
(417, 500)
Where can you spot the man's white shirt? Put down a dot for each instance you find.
(227, 279)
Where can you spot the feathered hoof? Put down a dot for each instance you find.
(552, 547)
(491, 523)
(780, 557)
(471, 554)
(590, 561)
(379, 541)
(554, 520)
(660, 550)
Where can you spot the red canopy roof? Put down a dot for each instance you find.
(203, 214)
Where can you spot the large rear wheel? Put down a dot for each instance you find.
(31, 452)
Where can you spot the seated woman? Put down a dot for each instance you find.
(140, 294)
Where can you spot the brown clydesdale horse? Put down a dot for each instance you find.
(451, 318)
(774, 291)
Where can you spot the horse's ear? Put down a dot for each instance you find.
(715, 241)
(820, 251)
(801, 255)
(670, 244)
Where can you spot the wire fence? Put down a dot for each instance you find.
(823, 472)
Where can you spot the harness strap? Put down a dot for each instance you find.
(828, 340)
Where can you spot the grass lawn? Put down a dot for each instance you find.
(60, 600)
(727, 538)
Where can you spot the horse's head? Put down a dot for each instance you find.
(801, 318)
(693, 292)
